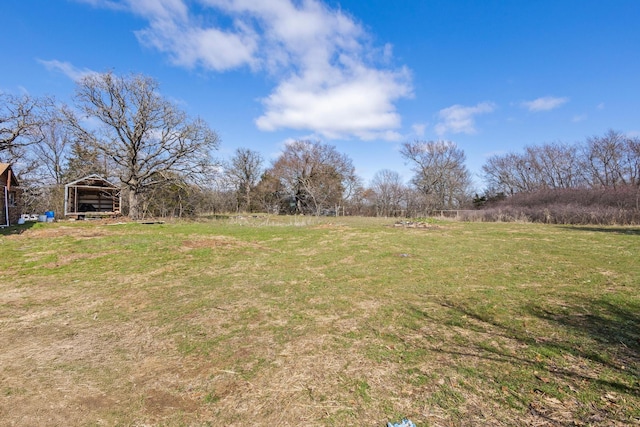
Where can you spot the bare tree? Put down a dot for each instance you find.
(353, 189)
(611, 160)
(556, 165)
(551, 165)
(31, 138)
(508, 173)
(43, 181)
(389, 193)
(146, 136)
(440, 172)
(358, 200)
(52, 151)
(312, 177)
(244, 173)
(20, 121)
(633, 160)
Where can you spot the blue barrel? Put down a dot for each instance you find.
(50, 214)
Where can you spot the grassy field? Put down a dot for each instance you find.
(320, 322)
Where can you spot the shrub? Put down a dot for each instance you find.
(620, 206)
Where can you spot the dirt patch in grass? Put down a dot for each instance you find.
(69, 258)
(39, 233)
(161, 402)
(210, 242)
(331, 226)
(54, 231)
(415, 224)
(213, 242)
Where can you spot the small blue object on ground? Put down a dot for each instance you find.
(404, 423)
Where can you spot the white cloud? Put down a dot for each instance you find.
(579, 118)
(546, 103)
(387, 52)
(330, 81)
(209, 48)
(108, 4)
(461, 119)
(419, 129)
(67, 69)
(175, 10)
(359, 104)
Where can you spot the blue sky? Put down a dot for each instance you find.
(365, 76)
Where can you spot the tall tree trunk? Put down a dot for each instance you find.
(134, 205)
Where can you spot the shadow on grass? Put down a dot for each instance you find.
(594, 351)
(602, 332)
(613, 329)
(16, 229)
(616, 230)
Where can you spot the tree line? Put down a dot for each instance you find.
(610, 161)
(122, 128)
(594, 181)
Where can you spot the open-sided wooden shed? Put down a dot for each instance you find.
(91, 196)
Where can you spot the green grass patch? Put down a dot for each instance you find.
(320, 321)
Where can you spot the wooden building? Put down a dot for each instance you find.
(9, 196)
(91, 196)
